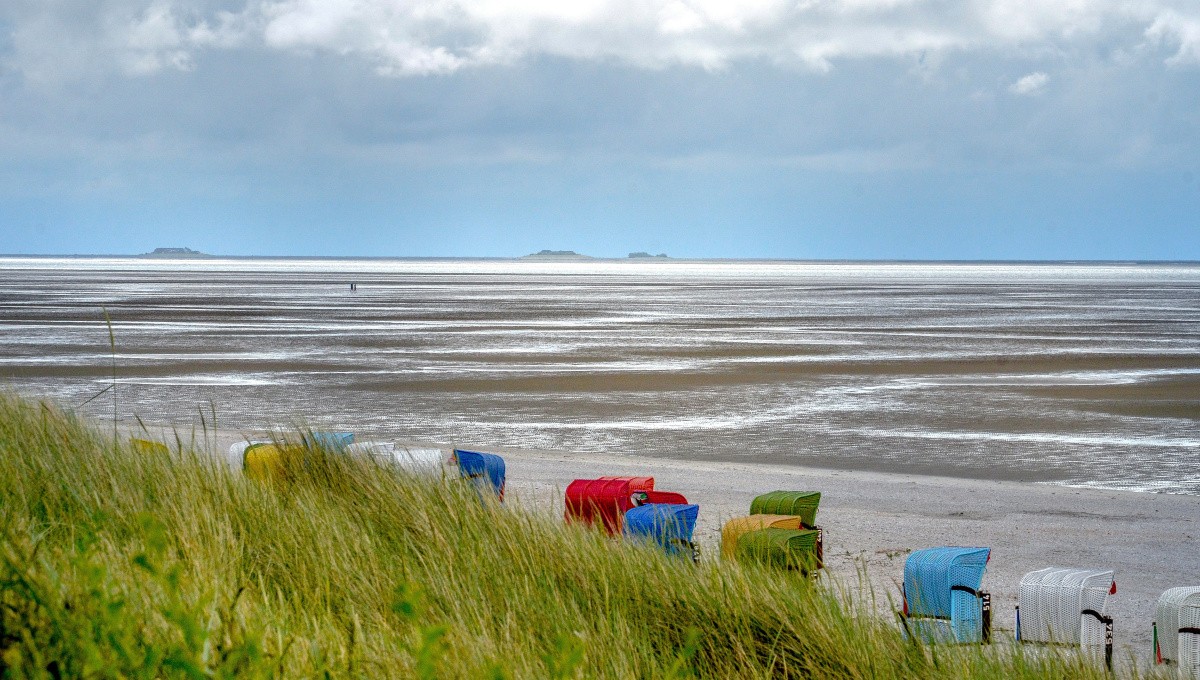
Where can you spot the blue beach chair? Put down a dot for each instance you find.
(486, 470)
(330, 441)
(942, 599)
(668, 524)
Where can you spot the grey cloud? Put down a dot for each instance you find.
(68, 37)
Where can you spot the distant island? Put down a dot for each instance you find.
(175, 252)
(641, 254)
(557, 255)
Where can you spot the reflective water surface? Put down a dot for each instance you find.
(1072, 373)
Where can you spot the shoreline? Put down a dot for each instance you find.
(873, 520)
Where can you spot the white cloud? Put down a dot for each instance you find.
(1032, 83)
(1174, 27)
(420, 37)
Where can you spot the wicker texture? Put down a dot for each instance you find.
(737, 526)
(1166, 616)
(801, 503)
(668, 524)
(1052, 602)
(1188, 643)
(784, 548)
(943, 583)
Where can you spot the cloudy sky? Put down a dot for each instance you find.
(908, 129)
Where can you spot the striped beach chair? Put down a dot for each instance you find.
(1067, 607)
(1171, 606)
(670, 525)
(942, 597)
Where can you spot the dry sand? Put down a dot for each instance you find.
(876, 519)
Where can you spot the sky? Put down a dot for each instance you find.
(807, 129)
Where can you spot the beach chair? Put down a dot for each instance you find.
(268, 461)
(802, 504)
(670, 525)
(330, 441)
(605, 500)
(1166, 621)
(1188, 641)
(485, 470)
(147, 447)
(425, 462)
(1067, 607)
(789, 549)
(734, 528)
(942, 597)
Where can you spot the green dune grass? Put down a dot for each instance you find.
(124, 563)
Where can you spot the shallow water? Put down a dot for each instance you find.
(1069, 373)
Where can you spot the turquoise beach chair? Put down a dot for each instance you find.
(942, 597)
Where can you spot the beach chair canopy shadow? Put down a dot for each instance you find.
(942, 597)
(803, 504)
(604, 500)
(1067, 606)
(670, 525)
(485, 470)
(1171, 605)
(781, 548)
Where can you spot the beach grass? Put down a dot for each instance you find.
(120, 561)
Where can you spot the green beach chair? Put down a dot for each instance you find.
(781, 548)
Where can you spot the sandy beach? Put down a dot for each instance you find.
(875, 519)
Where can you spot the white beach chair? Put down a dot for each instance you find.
(418, 461)
(1188, 641)
(1067, 607)
(1166, 621)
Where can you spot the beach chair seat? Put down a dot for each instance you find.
(734, 528)
(1188, 641)
(942, 597)
(485, 470)
(1166, 621)
(604, 500)
(661, 497)
(800, 503)
(1067, 607)
(782, 548)
(670, 525)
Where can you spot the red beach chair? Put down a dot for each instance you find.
(606, 499)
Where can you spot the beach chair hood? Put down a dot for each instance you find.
(487, 470)
(800, 503)
(605, 500)
(669, 524)
(932, 575)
